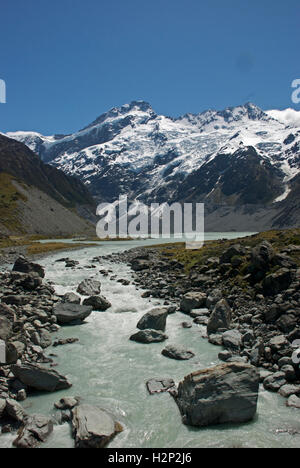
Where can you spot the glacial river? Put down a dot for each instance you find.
(109, 371)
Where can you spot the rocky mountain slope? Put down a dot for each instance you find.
(39, 198)
(242, 163)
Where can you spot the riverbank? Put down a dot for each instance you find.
(246, 292)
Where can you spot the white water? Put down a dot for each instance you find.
(110, 371)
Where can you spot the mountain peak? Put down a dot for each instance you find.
(124, 110)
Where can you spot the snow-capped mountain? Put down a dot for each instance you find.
(237, 157)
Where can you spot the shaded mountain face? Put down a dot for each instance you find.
(236, 157)
(27, 181)
(19, 161)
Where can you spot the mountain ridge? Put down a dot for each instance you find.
(205, 157)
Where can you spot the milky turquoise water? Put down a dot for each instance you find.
(110, 371)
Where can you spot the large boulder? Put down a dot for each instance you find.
(226, 393)
(276, 282)
(14, 350)
(89, 287)
(68, 313)
(35, 430)
(40, 377)
(155, 319)
(232, 251)
(15, 411)
(232, 340)
(93, 427)
(220, 317)
(148, 336)
(99, 303)
(177, 352)
(214, 296)
(192, 300)
(262, 256)
(25, 266)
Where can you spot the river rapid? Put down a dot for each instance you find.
(109, 371)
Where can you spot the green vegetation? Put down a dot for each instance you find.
(9, 197)
(190, 258)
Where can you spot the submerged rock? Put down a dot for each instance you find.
(67, 313)
(35, 430)
(223, 394)
(177, 352)
(149, 336)
(66, 403)
(40, 377)
(159, 385)
(155, 319)
(93, 427)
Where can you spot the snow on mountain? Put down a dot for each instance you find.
(289, 117)
(132, 150)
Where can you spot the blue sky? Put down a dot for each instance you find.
(67, 61)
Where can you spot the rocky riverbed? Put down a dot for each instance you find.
(246, 297)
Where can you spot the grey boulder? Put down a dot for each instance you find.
(89, 287)
(40, 377)
(24, 266)
(68, 313)
(93, 427)
(177, 352)
(223, 394)
(36, 429)
(155, 319)
(232, 340)
(275, 381)
(149, 336)
(99, 303)
(159, 385)
(220, 317)
(71, 297)
(192, 300)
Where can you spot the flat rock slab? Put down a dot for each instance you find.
(222, 394)
(149, 336)
(176, 352)
(159, 385)
(40, 377)
(68, 313)
(93, 427)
